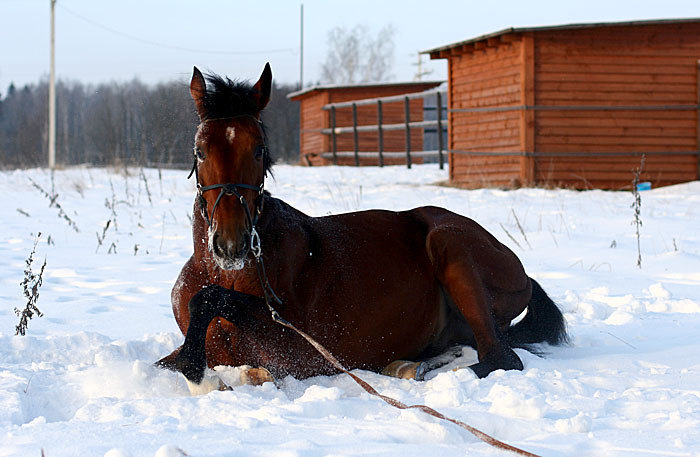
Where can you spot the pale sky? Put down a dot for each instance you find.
(160, 40)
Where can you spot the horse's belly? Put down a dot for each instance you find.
(396, 323)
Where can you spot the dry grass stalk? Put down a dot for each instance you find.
(53, 201)
(101, 239)
(142, 176)
(510, 236)
(520, 227)
(30, 285)
(637, 207)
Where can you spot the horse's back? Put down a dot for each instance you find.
(424, 240)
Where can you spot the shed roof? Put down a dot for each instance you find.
(298, 94)
(434, 53)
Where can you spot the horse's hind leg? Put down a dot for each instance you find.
(433, 363)
(256, 376)
(471, 299)
(460, 276)
(404, 369)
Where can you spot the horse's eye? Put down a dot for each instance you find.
(260, 150)
(198, 152)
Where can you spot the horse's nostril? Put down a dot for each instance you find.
(215, 243)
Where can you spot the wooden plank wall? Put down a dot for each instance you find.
(312, 120)
(640, 65)
(486, 76)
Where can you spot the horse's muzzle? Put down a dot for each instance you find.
(229, 255)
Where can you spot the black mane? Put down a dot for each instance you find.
(227, 98)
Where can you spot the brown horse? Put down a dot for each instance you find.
(374, 287)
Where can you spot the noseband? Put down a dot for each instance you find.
(232, 189)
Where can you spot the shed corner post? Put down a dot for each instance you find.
(302, 155)
(441, 146)
(527, 111)
(697, 122)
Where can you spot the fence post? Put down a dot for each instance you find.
(333, 144)
(354, 134)
(439, 130)
(407, 119)
(381, 133)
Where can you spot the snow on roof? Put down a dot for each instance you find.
(560, 27)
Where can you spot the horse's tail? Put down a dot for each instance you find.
(543, 322)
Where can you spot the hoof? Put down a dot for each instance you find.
(165, 364)
(256, 376)
(168, 362)
(209, 383)
(403, 369)
(504, 359)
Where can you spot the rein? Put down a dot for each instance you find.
(271, 296)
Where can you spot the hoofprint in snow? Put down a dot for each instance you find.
(81, 383)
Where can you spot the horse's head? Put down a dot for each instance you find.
(231, 161)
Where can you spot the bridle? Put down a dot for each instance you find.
(232, 189)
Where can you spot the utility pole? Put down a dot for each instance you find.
(420, 73)
(301, 47)
(52, 91)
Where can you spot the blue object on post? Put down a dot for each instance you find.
(646, 185)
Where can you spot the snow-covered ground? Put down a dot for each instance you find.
(81, 383)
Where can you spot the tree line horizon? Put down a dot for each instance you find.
(137, 124)
(122, 124)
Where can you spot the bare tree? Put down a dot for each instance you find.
(282, 124)
(354, 56)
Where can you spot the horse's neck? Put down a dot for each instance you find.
(278, 217)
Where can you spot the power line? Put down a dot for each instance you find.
(165, 45)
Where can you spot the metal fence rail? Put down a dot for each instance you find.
(572, 154)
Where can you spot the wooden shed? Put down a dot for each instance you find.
(575, 105)
(315, 122)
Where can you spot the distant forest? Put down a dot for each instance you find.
(122, 124)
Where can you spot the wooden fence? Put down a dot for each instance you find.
(408, 126)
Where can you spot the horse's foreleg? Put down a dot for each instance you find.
(168, 362)
(211, 302)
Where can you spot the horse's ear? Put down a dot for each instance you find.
(262, 87)
(198, 89)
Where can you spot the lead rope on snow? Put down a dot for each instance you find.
(269, 294)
